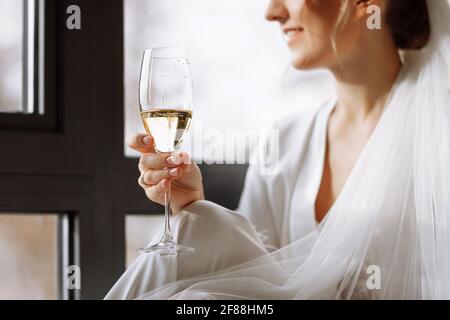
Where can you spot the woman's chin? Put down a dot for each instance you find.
(299, 58)
(302, 64)
(306, 62)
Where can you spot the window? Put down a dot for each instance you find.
(37, 250)
(11, 55)
(45, 175)
(29, 259)
(27, 87)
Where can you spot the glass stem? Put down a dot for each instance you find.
(168, 212)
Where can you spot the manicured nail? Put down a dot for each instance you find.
(173, 172)
(186, 158)
(147, 140)
(173, 160)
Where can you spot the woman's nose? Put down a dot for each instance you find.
(277, 11)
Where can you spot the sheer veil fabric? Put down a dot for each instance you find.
(392, 214)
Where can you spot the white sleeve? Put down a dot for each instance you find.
(255, 205)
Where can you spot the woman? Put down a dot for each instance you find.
(359, 206)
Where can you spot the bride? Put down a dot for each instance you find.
(359, 206)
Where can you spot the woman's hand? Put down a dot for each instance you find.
(158, 169)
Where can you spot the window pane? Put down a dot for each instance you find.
(28, 259)
(238, 59)
(139, 231)
(11, 55)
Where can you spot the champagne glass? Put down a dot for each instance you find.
(166, 105)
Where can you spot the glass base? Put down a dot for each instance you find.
(166, 248)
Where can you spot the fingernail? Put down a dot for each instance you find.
(174, 160)
(148, 140)
(173, 172)
(186, 158)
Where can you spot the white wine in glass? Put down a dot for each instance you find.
(166, 106)
(168, 127)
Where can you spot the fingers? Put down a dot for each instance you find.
(185, 163)
(156, 192)
(157, 170)
(153, 177)
(155, 161)
(142, 143)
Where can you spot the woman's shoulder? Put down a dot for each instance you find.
(288, 137)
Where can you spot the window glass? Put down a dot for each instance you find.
(11, 55)
(29, 256)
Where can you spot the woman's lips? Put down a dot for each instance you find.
(291, 36)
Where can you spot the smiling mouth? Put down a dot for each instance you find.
(292, 34)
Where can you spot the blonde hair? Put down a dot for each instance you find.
(340, 23)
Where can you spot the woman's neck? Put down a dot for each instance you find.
(363, 86)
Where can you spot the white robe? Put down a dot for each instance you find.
(274, 211)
